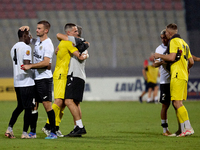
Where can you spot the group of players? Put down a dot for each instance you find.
(174, 59)
(33, 81)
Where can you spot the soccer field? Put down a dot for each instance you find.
(109, 125)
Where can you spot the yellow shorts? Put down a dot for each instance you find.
(59, 88)
(178, 89)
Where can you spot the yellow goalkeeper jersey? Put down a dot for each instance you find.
(179, 69)
(152, 74)
(66, 48)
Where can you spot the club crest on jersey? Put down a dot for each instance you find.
(27, 52)
(73, 44)
(40, 48)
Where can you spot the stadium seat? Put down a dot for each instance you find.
(39, 6)
(167, 6)
(148, 5)
(157, 6)
(109, 6)
(49, 6)
(2, 7)
(99, 6)
(97, 1)
(21, 14)
(138, 6)
(89, 6)
(68, 6)
(31, 14)
(57, 1)
(47, 1)
(129, 6)
(29, 7)
(37, 1)
(11, 15)
(3, 15)
(6, 1)
(18, 7)
(178, 5)
(79, 6)
(58, 6)
(16, 1)
(119, 6)
(8, 7)
(26, 1)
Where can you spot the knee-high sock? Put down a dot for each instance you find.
(33, 123)
(57, 115)
(51, 116)
(182, 114)
(27, 119)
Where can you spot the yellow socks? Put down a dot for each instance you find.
(182, 114)
(57, 114)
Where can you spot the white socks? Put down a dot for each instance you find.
(164, 128)
(79, 123)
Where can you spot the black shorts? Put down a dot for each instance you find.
(151, 85)
(165, 96)
(43, 90)
(25, 96)
(74, 88)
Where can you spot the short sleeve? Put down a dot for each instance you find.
(49, 49)
(27, 53)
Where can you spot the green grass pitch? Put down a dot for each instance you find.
(109, 125)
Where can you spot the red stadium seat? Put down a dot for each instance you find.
(21, 14)
(9, 7)
(58, 6)
(37, 1)
(99, 6)
(167, 6)
(148, 6)
(78, 1)
(79, 6)
(138, 6)
(129, 1)
(19, 7)
(108, 1)
(39, 6)
(6, 1)
(32, 14)
(47, 1)
(68, 6)
(57, 1)
(26, 1)
(16, 1)
(11, 15)
(89, 6)
(49, 6)
(178, 6)
(67, 1)
(158, 6)
(88, 1)
(29, 7)
(109, 6)
(3, 14)
(128, 6)
(119, 6)
(2, 7)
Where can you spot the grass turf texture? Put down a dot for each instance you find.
(109, 125)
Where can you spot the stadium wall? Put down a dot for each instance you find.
(107, 89)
